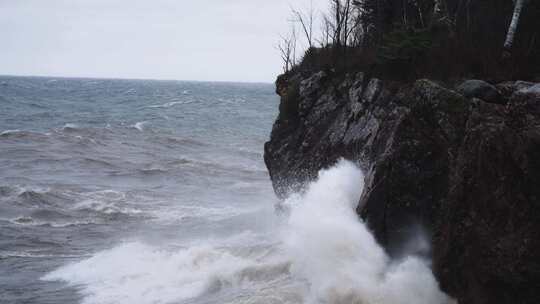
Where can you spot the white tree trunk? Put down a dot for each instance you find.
(518, 7)
(437, 8)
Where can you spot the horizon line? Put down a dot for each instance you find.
(130, 78)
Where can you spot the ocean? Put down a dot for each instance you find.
(141, 191)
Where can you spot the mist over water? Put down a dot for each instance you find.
(161, 196)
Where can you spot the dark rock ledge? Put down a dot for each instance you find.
(466, 169)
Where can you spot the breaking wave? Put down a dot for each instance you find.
(335, 252)
(138, 273)
(322, 254)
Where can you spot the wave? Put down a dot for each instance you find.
(182, 213)
(104, 207)
(22, 134)
(7, 191)
(99, 162)
(60, 208)
(140, 125)
(107, 202)
(153, 171)
(70, 127)
(30, 254)
(225, 166)
(86, 140)
(30, 221)
(72, 130)
(168, 104)
(336, 253)
(10, 132)
(322, 254)
(182, 142)
(138, 273)
(186, 164)
(42, 197)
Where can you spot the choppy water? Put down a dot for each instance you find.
(88, 165)
(120, 191)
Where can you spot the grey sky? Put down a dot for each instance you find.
(229, 40)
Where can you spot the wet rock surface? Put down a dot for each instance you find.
(461, 167)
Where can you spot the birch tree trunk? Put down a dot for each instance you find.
(439, 10)
(518, 7)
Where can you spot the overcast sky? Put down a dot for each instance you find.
(225, 40)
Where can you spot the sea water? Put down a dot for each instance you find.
(139, 191)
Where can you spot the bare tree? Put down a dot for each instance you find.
(420, 13)
(518, 7)
(335, 21)
(287, 49)
(326, 32)
(340, 21)
(354, 31)
(345, 15)
(306, 23)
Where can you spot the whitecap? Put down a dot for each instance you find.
(29, 221)
(33, 254)
(22, 133)
(138, 273)
(181, 213)
(105, 207)
(169, 104)
(140, 125)
(70, 127)
(10, 132)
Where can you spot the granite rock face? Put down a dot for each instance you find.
(461, 168)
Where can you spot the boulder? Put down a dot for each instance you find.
(533, 91)
(508, 88)
(475, 88)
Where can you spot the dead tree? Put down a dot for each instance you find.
(287, 50)
(326, 32)
(337, 23)
(306, 23)
(340, 21)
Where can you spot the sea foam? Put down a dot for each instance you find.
(138, 273)
(332, 249)
(323, 251)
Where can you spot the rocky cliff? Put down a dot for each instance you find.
(461, 162)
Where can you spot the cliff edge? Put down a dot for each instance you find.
(461, 162)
